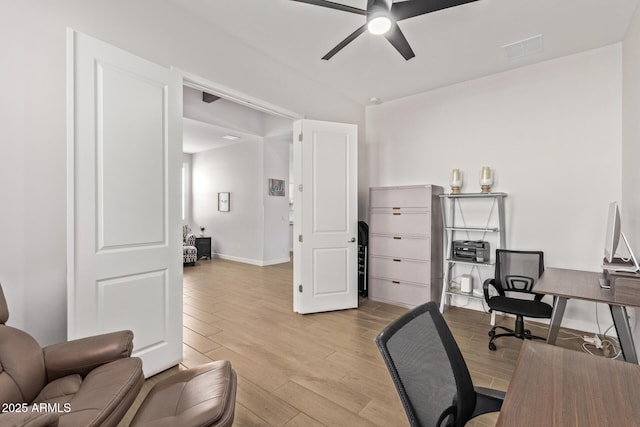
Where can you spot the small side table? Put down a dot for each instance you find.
(203, 244)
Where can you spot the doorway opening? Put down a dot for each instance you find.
(233, 147)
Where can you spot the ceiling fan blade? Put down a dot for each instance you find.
(409, 9)
(345, 42)
(332, 5)
(398, 40)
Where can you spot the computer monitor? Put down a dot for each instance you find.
(612, 238)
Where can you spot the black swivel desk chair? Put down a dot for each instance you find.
(430, 373)
(516, 273)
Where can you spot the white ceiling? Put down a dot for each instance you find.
(200, 136)
(451, 45)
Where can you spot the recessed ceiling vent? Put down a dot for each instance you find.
(524, 47)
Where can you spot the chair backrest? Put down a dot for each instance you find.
(22, 372)
(427, 368)
(518, 271)
(4, 309)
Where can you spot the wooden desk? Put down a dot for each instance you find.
(565, 284)
(553, 386)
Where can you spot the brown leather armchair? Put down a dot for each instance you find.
(86, 382)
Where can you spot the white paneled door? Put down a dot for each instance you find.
(124, 163)
(325, 216)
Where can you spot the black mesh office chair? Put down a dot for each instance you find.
(429, 372)
(516, 273)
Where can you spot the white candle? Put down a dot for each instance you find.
(486, 173)
(456, 178)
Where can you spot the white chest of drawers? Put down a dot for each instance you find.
(405, 244)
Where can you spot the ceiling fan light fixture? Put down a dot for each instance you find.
(379, 23)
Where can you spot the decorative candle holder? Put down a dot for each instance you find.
(456, 181)
(486, 179)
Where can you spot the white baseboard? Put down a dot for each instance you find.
(276, 261)
(259, 263)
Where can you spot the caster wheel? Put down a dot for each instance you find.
(492, 346)
(492, 333)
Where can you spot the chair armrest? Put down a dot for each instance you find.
(29, 419)
(81, 356)
(496, 286)
(487, 400)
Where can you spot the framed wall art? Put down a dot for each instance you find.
(224, 201)
(276, 187)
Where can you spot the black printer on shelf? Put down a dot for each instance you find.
(470, 250)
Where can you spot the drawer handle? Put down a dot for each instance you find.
(395, 282)
(397, 260)
(397, 238)
(397, 213)
(396, 209)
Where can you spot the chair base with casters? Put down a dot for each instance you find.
(516, 272)
(519, 332)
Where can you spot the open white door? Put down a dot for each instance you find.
(325, 216)
(124, 232)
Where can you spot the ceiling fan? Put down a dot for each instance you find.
(383, 17)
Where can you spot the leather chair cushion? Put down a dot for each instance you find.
(22, 373)
(105, 395)
(201, 396)
(29, 419)
(60, 390)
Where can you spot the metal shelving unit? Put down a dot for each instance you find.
(452, 216)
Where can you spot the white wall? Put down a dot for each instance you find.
(631, 143)
(276, 209)
(256, 229)
(33, 135)
(186, 162)
(235, 168)
(551, 132)
(631, 133)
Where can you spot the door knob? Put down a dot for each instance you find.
(353, 239)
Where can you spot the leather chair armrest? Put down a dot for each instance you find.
(81, 356)
(29, 419)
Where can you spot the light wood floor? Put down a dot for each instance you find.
(295, 370)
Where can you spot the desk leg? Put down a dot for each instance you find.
(556, 318)
(621, 322)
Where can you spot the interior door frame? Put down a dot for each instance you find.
(199, 83)
(196, 82)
